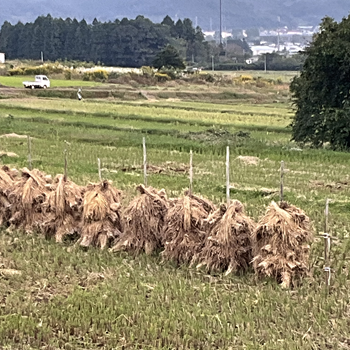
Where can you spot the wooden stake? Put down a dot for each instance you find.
(228, 175)
(144, 162)
(327, 248)
(66, 160)
(29, 153)
(65, 165)
(99, 169)
(281, 181)
(191, 171)
(326, 212)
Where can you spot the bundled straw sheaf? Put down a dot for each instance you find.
(101, 222)
(281, 244)
(184, 232)
(27, 195)
(228, 244)
(64, 209)
(143, 222)
(7, 178)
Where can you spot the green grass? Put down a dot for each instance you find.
(70, 298)
(17, 81)
(238, 116)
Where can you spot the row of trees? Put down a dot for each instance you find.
(131, 43)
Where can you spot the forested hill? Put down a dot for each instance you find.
(130, 43)
(241, 14)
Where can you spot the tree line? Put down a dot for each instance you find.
(125, 43)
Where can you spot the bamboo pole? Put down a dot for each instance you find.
(191, 172)
(281, 181)
(327, 248)
(65, 165)
(66, 160)
(29, 153)
(228, 175)
(99, 169)
(144, 161)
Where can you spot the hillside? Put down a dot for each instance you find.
(236, 13)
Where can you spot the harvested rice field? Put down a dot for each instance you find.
(96, 254)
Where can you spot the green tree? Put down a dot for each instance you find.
(321, 93)
(129, 43)
(168, 58)
(168, 21)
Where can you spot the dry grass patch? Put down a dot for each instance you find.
(13, 136)
(249, 160)
(8, 154)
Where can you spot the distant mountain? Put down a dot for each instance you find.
(235, 13)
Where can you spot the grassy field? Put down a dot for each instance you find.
(65, 297)
(17, 81)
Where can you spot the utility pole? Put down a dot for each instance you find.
(278, 34)
(220, 25)
(212, 63)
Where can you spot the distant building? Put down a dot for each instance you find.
(215, 35)
(258, 50)
(2, 57)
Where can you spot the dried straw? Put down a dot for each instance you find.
(64, 209)
(101, 222)
(228, 244)
(143, 222)
(27, 195)
(184, 228)
(7, 177)
(281, 244)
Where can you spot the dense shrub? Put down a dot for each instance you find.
(95, 75)
(68, 74)
(146, 70)
(162, 77)
(46, 69)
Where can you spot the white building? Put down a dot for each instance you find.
(2, 57)
(259, 50)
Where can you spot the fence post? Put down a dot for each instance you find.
(327, 248)
(228, 175)
(191, 172)
(144, 161)
(29, 153)
(99, 169)
(281, 181)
